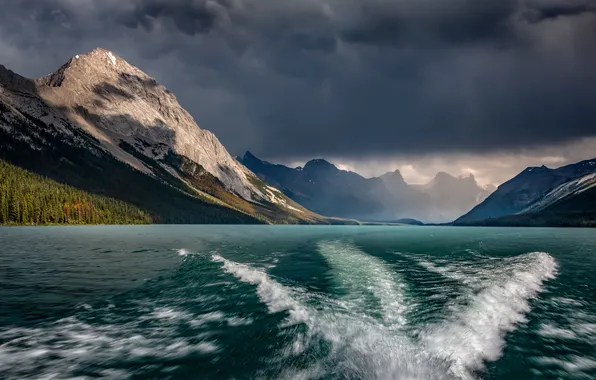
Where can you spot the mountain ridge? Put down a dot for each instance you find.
(107, 110)
(387, 197)
(518, 194)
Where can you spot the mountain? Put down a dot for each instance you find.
(572, 204)
(534, 190)
(102, 125)
(322, 187)
(568, 190)
(452, 196)
(327, 190)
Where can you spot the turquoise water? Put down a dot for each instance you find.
(297, 302)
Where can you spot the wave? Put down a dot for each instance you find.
(475, 331)
(362, 275)
(363, 346)
(116, 342)
(276, 296)
(70, 346)
(361, 330)
(567, 325)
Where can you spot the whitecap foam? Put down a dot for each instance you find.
(238, 321)
(566, 327)
(569, 363)
(362, 346)
(207, 347)
(475, 332)
(549, 330)
(168, 313)
(215, 316)
(365, 346)
(277, 297)
(361, 274)
(564, 301)
(465, 272)
(62, 349)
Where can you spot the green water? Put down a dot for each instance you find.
(297, 302)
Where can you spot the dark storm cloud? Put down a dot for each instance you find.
(189, 16)
(344, 78)
(545, 10)
(463, 21)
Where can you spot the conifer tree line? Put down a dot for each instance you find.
(28, 198)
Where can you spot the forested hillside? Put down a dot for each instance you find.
(28, 198)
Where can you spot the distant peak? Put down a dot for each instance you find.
(396, 174)
(467, 177)
(443, 176)
(319, 163)
(536, 169)
(249, 156)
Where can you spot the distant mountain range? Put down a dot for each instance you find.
(540, 196)
(103, 126)
(322, 187)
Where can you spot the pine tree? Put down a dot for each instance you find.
(27, 198)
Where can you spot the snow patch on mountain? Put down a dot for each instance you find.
(112, 58)
(562, 191)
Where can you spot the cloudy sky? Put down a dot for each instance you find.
(464, 86)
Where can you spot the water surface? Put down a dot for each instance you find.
(291, 302)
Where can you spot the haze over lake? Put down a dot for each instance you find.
(287, 302)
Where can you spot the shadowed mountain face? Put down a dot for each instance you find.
(323, 188)
(101, 124)
(536, 189)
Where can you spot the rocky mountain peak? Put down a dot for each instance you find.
(115, 101)
(393, 178)
(319, 164)
(443, 176)
(250, 157)
(536, 169)
(394, 174)
(98, 64)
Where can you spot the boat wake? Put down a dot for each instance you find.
(363, 327)
(366, 324)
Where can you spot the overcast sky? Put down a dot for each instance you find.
(480, 86)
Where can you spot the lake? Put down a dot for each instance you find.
(297, 302)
